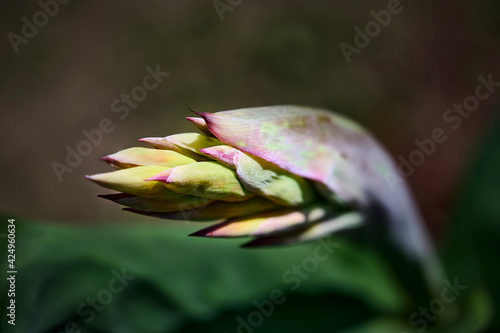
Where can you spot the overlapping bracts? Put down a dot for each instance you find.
(280, 174)
(230, 175)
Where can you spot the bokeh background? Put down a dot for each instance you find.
(65, 78)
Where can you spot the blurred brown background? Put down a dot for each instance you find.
(65, 78)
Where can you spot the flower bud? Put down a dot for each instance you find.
(209, 180)
(311, 231)
(137, 156)
(192, 141)
(223, 154)
(272, 182)
(133, 181)
(165, 144)
(180, 203)
(268, 223)
(224, 210)
(201, 125)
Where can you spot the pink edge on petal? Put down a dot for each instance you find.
(220, 154)
(161, 177)
(277, 136)
(301, 140)
(158, 143)
(201, 125)
(111, 161)
(197, 121)
(197, 113)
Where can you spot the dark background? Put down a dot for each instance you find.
(263, 53)
(65, 78)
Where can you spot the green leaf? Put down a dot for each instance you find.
(471, 252)
(183, 282)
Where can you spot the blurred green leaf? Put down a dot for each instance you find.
(471, 253)
(184, 282)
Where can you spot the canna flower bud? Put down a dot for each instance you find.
(137, 156)
(132, 181)
(209, 180)
(281, 174)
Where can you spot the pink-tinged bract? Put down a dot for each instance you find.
(258, 171)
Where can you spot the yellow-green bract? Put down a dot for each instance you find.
(281, 174)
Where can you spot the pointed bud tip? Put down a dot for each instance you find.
(97, 178)
(209, 231)
(149, 139)
(199, 233)
(196, 120)
(196, 113)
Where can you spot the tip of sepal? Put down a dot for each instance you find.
(111, 161)
(196, 113)
(199, 233)
(201, 125)
(150, 140)
(211, 231)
